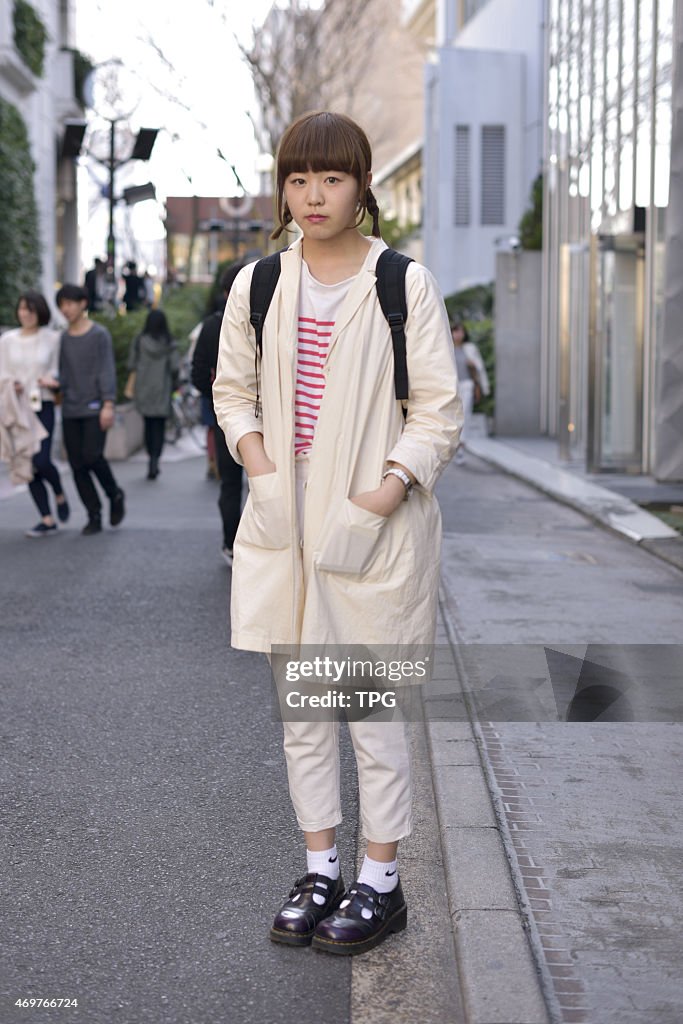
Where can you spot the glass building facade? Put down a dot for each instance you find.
(609, 80)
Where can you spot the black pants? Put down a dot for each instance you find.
(84, 442)
(155, 428)
(230, 499)
(43, 466)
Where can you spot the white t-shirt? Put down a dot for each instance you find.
(319, 306)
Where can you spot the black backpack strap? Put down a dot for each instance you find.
(391, 292)
(263, 284)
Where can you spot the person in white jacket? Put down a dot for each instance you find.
(29, 359)
(339, 542)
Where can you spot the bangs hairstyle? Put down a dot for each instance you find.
(323, 141)
(35, 303)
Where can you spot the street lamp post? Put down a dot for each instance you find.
(108, 93)
(111, 241)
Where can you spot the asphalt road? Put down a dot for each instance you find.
(146, 828)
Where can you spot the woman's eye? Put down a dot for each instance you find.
(333, 179)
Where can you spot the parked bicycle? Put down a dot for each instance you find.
(186, 412)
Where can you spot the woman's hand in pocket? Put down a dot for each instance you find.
(383, 500)
(253, 454)
(264, 468)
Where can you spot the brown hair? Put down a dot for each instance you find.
(323, 141)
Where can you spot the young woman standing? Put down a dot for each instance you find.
(329, 551)
(29, 356)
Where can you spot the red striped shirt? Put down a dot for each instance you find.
(314, 341)
(318, 307)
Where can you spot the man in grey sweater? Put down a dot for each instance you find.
(87, 378)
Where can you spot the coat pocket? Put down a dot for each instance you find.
(352, 544)
(264, 522)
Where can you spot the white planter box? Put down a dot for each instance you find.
(127, 434)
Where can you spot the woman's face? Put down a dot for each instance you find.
(28, 318)
(323, 203)
(458, 334)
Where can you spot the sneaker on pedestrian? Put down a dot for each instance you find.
(92, 526)
(460, 457)
(117, 508)
(63, 511)
(227, 554)
(42, 530)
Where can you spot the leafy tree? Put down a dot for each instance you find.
(30, 36)
(20, 263)
(530, 228)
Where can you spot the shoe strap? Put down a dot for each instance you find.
(362, 897)
(312, 883)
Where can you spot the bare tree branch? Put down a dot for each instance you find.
(300, 59)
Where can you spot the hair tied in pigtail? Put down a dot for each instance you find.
(373, 210)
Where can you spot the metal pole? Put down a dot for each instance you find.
(111, 243)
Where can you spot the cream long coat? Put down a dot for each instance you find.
(357, 578)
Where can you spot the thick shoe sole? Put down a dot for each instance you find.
(291, 938)
(396, 923)
(301, 938)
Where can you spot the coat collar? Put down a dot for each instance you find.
(363, 284)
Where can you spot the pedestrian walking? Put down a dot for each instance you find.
(204, 363)
(339, 541)
(29, 359)
(87, 377)
(134, 293)
(154, 361)
(94, 285)
(472, 377)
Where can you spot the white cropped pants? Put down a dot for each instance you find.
(382, 756)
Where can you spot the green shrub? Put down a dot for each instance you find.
(530, 228)
(20, 264)
(123, 328)
(82, 68)
(392, 232)
(474, 303)
(481, 333)
(30, 36)
(184, 308)
(474, 306)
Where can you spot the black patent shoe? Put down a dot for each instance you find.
(347, 931)
(298, 916)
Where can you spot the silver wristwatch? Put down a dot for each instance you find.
(403, 477)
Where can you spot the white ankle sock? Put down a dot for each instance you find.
(323, 862)
(382, 877)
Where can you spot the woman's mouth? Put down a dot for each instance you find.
(315, 218)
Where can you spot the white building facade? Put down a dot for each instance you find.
(45, 103)
(484, 94)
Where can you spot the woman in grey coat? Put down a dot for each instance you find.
(154, 358)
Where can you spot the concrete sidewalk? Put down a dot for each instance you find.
(612, 500)
(560, 839)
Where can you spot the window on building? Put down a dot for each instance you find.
(462, 175)
(493, 174)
